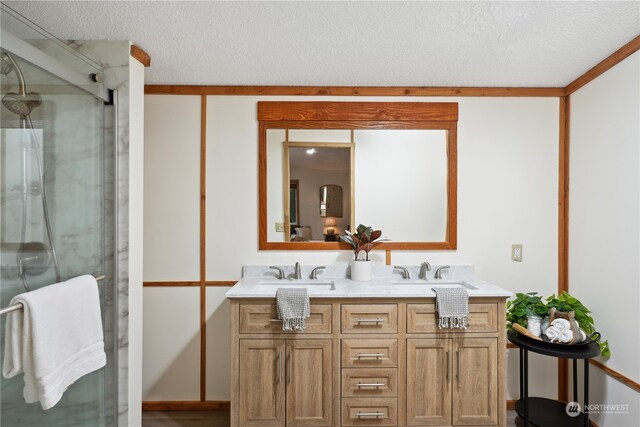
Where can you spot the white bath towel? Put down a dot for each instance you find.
(55, 339)
(559, 331)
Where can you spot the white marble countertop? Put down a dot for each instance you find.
(261, 282)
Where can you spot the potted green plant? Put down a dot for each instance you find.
(566, 303)
(527, 310)
(363, 240)
(526, 307)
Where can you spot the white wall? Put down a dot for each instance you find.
(172, 179)
(136, 238)
(604, 225)
(171, 369)
(507, 193)
(172, 248)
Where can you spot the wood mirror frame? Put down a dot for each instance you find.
(358, 115)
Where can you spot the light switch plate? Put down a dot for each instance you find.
(280, 227)
(516, 252)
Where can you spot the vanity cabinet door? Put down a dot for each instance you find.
(429, 382)
(262, 381)
(309, 383)
(475, 394)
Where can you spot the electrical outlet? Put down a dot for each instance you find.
(516, 252)
(280, 227)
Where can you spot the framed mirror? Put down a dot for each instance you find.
(395, 164)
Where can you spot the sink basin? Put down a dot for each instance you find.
(311, 284)
(434, 284)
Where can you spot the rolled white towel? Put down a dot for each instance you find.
(561, 324)
(552, 333)
(558, 331)
(566, 336)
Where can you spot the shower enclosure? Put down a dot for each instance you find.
(57, 168)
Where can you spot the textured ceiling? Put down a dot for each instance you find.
(353, 43)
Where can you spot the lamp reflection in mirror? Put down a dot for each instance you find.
(330, 223)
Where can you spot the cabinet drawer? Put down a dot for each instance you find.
(263, 319)
(369, 318)
(360, 353)
(423, 318)
(369, 412)
(369, 382)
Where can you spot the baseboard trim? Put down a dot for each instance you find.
(186, 405)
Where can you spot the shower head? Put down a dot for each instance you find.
(6, 65)
(21, 105)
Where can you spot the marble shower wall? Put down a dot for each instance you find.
(115, 58)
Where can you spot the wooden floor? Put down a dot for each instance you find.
(185, 419)
(214, 419)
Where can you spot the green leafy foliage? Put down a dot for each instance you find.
(565, 302)
(525, 305)
(362, 240)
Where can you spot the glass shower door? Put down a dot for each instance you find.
(56, 210)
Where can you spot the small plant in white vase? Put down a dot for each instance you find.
(363, 240)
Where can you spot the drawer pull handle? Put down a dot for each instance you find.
(376, 355)
(376, 385)
(370, 414)
(376, 320)
(275, 320)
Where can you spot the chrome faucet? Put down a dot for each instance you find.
(424, 267)
(280, 272)
(314, 272)
(405, 272)
(297, 274)
(439, 271)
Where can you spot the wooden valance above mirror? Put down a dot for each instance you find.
(401, 175)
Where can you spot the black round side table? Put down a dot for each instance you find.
(544, 412)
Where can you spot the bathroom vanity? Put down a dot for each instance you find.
(371, 355)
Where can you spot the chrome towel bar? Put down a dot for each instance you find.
(19, 306)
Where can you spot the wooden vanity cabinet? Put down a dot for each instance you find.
(377, 362)
(281, 378)
(262, 385)
(452, 381)
(285, 380)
